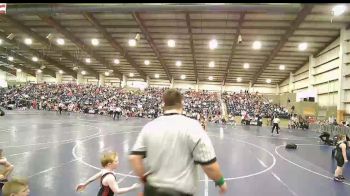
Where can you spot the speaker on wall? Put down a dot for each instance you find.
(311, 99)
(305, 99)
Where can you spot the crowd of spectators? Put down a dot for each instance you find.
(105, 100)
(252, 105)
(136, 103)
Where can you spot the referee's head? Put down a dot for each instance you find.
(172, 99)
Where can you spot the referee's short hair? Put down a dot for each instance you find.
(172, 99)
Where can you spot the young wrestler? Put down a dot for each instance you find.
(341, 158)
(8, 168)
(109, 186)
(16, 187)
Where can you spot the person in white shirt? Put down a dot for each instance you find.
(276, 122)
(60, 107)
(118, 112)
(174, 146)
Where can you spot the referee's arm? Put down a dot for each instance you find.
(213, 171)
(136, 161)
(137, 155)
(204, 154)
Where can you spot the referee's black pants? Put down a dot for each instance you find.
(156, 191)
(275, 125)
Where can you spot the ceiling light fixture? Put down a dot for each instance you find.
(28, 41)
(60, 41)
(132, 42)
(210, 78)
(83, 72)
(19, 70)
(239, 79)
(183, 77)
(178, 63)
(156, 75)
(131, 74)
(106, 73)
(60, 71)
(171, 43)
(95, 41)
(147, 62)
(256, 45)
(39, 71)
(246, 65)
(34, 58)
(211, 64)
(213, 44)
(88, 60)
(10, 58)
(268, 81)
(282, 67)
(116, 61)
(302, 46)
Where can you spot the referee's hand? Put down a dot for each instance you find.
(223, 189)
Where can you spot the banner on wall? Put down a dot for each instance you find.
(309, 111)
(2, 8)
(137, 84)
(306, 94)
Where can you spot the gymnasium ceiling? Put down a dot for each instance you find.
(279, 27)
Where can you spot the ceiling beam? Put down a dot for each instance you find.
(306, 10)
(234, 44)
(18, 66)
(55, 24)
(117, 46)
(149, 7)
(152, 44)
(188, 23)
(47, 71)
(48, 44)
(38, 54)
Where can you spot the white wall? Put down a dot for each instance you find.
(301, 77)
(3, 79)
(68, 79)
(49, 79)
(112, 81)
(159, 83)
(265, 89)
(323, 76)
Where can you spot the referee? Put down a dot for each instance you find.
(173, 147)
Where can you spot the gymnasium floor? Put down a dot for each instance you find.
(57, 152)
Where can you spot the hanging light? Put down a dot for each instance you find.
(95, 41)
(60, 41)
(132, 42)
